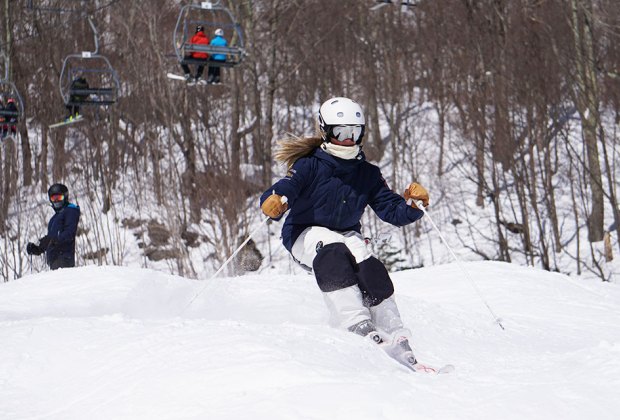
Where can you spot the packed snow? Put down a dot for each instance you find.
(122, 343)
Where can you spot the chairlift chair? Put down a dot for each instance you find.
(9, 91)
(211, 15)
(103, 83)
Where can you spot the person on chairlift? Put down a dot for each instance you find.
(199, 38)
(8, 118)
(3, 127)
(217, 41)
(73, 108)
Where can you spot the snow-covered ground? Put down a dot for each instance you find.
(121, 343)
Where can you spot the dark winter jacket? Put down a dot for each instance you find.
(324, 190)
(200, 39)
(79, 83)
(59, 244)
(10, 112)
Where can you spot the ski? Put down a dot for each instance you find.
(422, 368)
(400, 350)
(67, 122)
(9, 137)
(201, 82)
(175, 76)
(190, 82)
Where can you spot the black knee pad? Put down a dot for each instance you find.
(374, 281)
(334, 267)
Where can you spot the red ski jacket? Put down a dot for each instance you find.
(201, 39)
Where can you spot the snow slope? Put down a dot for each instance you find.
(121, 343)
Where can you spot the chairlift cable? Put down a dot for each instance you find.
(60, 11)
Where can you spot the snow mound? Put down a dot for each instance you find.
(123, 343)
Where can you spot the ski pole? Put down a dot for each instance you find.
(284, 201)
(420, 205)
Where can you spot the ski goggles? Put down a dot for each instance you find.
(55, 198)
(345, 132)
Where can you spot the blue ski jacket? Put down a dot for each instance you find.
(60, 239)
(324, 190)
(218, 41)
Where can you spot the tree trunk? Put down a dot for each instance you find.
(587, 99)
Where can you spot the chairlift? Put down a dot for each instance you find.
(211, 15)
(103, 84)
(56, 6)
(402, 3)
(8, 91)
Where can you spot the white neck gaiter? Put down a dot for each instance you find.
(342, 152)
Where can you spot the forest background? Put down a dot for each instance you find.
(507, 110)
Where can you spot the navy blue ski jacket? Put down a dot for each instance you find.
(61, 231)
(324, 190)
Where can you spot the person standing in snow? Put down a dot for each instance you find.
(328, 186)
(199, 38)
(59, 243)
(217, 41)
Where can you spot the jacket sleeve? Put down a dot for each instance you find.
(391, 207)
(69, 229)
(292, 185)
(44, 242)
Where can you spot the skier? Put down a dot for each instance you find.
(328, 186)
(59, 243)
(217, 41)
(199, 38)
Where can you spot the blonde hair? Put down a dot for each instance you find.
(293, 147)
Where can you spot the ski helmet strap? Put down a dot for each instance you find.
(324, 128)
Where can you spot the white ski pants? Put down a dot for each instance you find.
(346, 306)
(305, 247)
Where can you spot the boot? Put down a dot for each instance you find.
(346, 308)
(398, 348)
(386, 318)
(366, 329)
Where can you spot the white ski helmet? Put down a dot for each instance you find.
(340, 111)
(219, 32)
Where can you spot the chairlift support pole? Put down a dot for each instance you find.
(96, 35)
